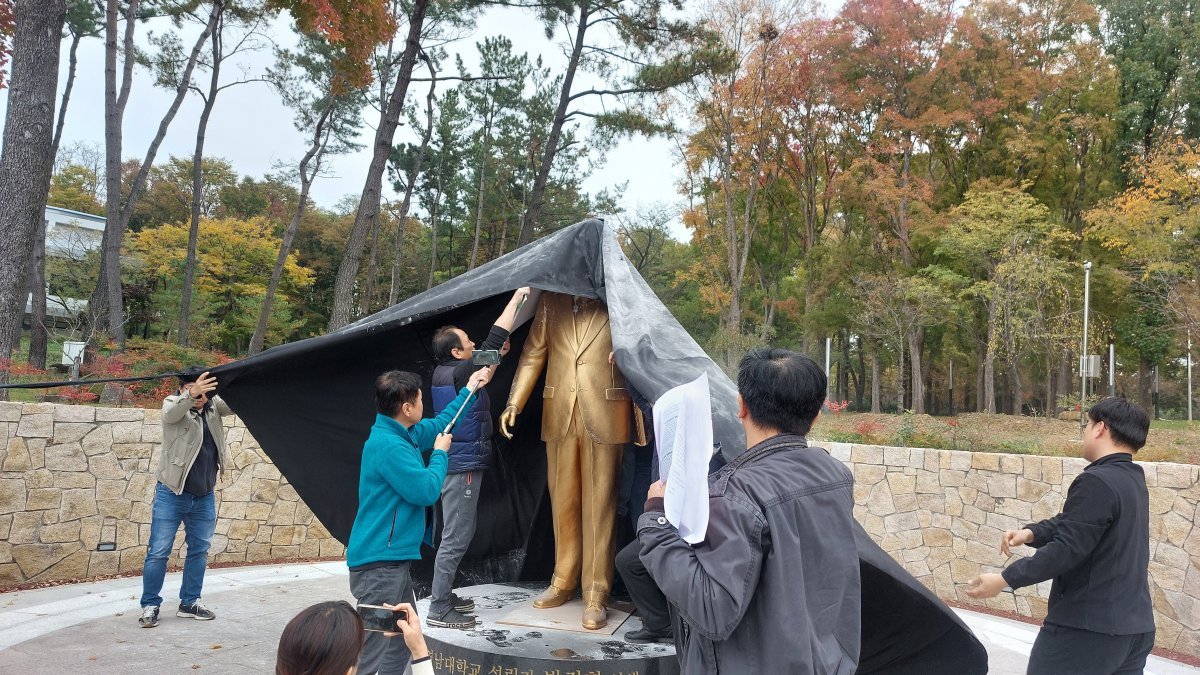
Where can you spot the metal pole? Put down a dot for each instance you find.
(1112, 360)
(1087, 280)
(1189, 364)
(1157, 412)
(951, 393)
(828, 344)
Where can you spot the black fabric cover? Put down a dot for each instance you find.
(310, 404)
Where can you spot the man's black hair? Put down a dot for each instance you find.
(445, 341)
(783, 390)
(395, 388)
(190, 374)
(1127, 423)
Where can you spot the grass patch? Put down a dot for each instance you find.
(1169, 441)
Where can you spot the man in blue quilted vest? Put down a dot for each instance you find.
(470, 454)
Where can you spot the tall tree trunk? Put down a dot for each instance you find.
(981, 361)
(533, 212)
(433, 234)
(366, 301)
(25, 159)
(1145, 391)
(876, 388)
(479, 199)
(900, 377)
(1014, 383)
(1049, 407)
(916, 339)
(988, 394)
(106, 305)
(103, 316)
(844, 369)
(406, 202)
(858, 381)
(214, 88)
(1064, 377)
(368, 204)
(314, 155)
(39, 333)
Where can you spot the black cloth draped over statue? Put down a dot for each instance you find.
(310, 404)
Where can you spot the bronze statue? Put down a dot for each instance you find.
(587, 418)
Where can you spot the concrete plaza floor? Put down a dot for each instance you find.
(92, 627)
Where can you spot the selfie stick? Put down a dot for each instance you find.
(460, 411)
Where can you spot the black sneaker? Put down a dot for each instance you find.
(196, 610)
(149, 617)
(452, 619)
(645, 635)
(463, 605)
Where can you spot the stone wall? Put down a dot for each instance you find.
(941, 514)
(72, 477)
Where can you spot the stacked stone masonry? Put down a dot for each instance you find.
(72, 477)
(941, 513)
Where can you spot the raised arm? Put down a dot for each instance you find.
(509, 315)
(533, 358)
(1090, 508)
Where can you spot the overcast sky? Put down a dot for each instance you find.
(253, 130)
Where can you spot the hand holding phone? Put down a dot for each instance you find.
(381, 618)
(411, 629)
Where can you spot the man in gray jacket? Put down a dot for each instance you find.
(193, 453)
(774, 587)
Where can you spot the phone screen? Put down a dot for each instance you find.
(380, 619)
(485, 357)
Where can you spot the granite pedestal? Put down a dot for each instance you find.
(513, 638)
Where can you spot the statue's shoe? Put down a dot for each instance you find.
(553, 596)
(594, 616)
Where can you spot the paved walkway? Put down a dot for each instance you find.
(92, 628)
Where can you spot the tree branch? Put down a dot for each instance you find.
(613, 92)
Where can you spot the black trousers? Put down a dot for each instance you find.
(1059, 650)
(650, 602)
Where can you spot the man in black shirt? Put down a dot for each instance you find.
(1100, 618)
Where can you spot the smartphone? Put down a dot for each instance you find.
(381, 619)
(485, 357)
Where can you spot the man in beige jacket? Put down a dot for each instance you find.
(193, 454)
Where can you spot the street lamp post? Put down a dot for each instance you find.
(1112, 369)
(1087, 281)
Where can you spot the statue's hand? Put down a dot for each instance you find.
(508, 419)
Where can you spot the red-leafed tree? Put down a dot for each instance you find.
(353, 26)
(891, 70)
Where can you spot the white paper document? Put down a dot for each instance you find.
(683, 435)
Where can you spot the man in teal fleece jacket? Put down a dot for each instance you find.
(394, 487)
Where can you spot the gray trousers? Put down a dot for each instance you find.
(378, 586)
(460, 496)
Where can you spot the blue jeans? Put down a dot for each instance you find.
(199, 518)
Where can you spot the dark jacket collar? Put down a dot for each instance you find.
(1109, 459)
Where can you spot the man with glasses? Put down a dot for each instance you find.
(1097, 550)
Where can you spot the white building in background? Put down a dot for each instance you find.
(71, 234)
